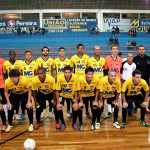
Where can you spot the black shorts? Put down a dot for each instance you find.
(3, 101)
(41, 99)
(62, 100)
(16, 98)
(91, 99)
(136, 98)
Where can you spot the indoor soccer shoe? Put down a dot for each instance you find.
(30, 128)
(63, 127)
(144, 123)
(75, 127)
(93, 126)
(37, 126)
(123, 125)
(22, 117)
(81, 127)
(3, 128)
(57, 126)
(116, 125)
(17, 116)
(68, 113)
(8, 129)
(97, 126)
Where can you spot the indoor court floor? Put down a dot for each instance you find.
(133, 137)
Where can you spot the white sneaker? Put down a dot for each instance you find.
(17, 116)
(116, 124)
(93, 127)
(97, 126)
(50, 114)
(42, 115)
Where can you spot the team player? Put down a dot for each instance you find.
(12, 63)
(46, 62)
(67, 87)
(20, 90)
(113, 62)
(131, 92)
(43, 86)
(28, 70)
(97, 63)
(59, 64)
(110, 88)
(79, 62)
(87, 86)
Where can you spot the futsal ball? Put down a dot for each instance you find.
(29, 144)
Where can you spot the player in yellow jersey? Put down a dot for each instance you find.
(110, 88)
(67, 86)
(87, 86)
(12, 63)
(20, 89)
(79, 61)
(28, 70)
(46, 62)
(59, 64)
(43, 86)
(131, 92)
(97, 63)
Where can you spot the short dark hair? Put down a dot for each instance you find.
(14, 73)
(61, 48)
(41, 68)
(89, 69)
(12, 52)
(28, 51)
(136, 72)
(140, 46)
(80, 45)
(68, 67)
(45, 47)
(114, 45)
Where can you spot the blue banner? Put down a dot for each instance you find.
(69, 25)
(10, 26)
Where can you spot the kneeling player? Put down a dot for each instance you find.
(19, 89)
(43, 86)
(86, 86)
(110, 88)
(67, 85)
(131, 92)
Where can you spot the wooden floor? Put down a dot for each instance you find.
(134, 137)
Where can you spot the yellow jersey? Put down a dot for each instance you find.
(59, 65)
(20, 88)
(47, 64)
(132, 89)
(97, 65)
(28, 70)
(108, 90)
(79, 64)
(47, 87)
(7, 66)
(67, 88)
(87, 90)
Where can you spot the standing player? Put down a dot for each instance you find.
(79, 62)
(43, 86)
(113, 62)
(12, 63)
(127, 68)
(97, 63)
(20, 90)
(110, 88)
(67, 86)
(46, 62)
(87, 86)
(28, 70)
(131, 92)
(59, 64)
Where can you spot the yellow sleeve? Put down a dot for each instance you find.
(37, 63)
(53, 82)
(4, 67)
(58, 85)
(119, 87)
(89, 63)
(101, 87)
(54, 65)
(27, 84)
(5, 86)
(124, 86)
(33, 86)
(72, 62)
(19, 66)
(79, 84)
(76, 85)
(145, 86)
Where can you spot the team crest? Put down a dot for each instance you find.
(132, 88)
(58, 65)
(94, 65)
(64, 85)
(138, 89)
(78, 61)
(24, 68)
